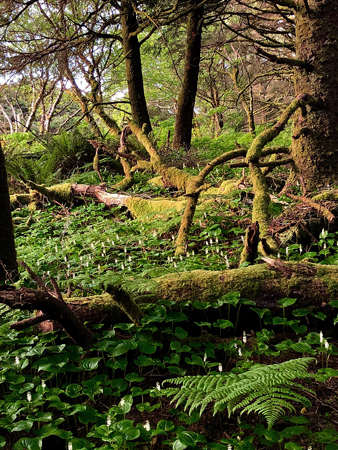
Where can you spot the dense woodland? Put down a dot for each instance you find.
(168, 225)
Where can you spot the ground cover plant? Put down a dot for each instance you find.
(115, 395)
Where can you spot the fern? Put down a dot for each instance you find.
(264, 389)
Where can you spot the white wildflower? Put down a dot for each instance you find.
(206, 251)
(70, 446)
(300, 249)
(205, 358)
(193, 253)
(146, 425)
(324, 245)
(278, 255)
(211, 241)
(17, 360)
(117, 237)
(220, 368)
(43, 384)
(108, 421)
(181, 257)
(239, 351)
(125, 249)
(122, 402)
(229, 447)
(129, 258)
(158, 386)
(122, 266)
(244, 337)
(92, 245)
(321, 338)
(243, 239)
(113, 243)
(29, 396)
(98, 267)
(287, 251)
(326, 345)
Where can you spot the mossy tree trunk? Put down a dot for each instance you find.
(187, 95)
(8, 264)
(131, 45)
(315, 134)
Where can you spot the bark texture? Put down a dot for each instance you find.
(187, 95)
(315, 133)
(8, 264)
(131, 45)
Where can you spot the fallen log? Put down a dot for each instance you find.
(313, 285)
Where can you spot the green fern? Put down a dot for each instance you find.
(264, 389)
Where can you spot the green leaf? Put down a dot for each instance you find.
(28, 444)
(293, 446)
(334, 303)
(274, 436)
(260, 311)
(23, 425)
(187, 438)
(132, 377)
(122, 348)
(177, 445)
(90, 363)
(292, 431)
(285, 302)
(326, 436)
(180, 333)
(301, 312)
(131, 434)
(2, 441)
(165, 425)
(88, 415)
(331, 446)
(146, 347)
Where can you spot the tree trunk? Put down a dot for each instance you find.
(315, 134)
(131, 45)
(8, 264)
(187, 95)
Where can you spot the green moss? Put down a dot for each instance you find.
(157, 181)
(326, 195)
(62, 192)
(211, 285)
(176, 177)
(147, 210)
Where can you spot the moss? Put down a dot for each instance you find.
(157, 181)
(21, 199)
(176, 177)
(211, 285)
(326, 195)
(62, 192)
(147, 210)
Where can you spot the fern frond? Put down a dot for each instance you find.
(263, 389)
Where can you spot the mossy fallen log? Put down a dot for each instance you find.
(313, 285)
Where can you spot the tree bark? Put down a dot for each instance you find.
(187, 95)
(131, 45)
(8, 264)
(315, 133)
